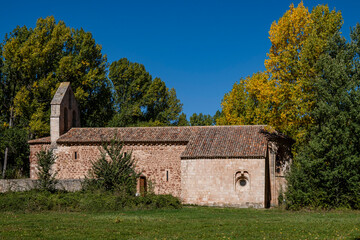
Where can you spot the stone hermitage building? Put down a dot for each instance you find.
(240, 166)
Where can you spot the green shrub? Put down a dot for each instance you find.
(113, 171)
(98, 201)
(45, 160)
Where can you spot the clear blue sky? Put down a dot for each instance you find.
(200, 48)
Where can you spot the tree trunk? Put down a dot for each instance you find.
(7, 148)
(5, 162)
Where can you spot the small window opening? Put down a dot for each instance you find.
(242, 182)
(70, 101)
(74, 119)
(167, 175)
(76, 155)
(65, 120)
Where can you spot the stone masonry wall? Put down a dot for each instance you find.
(213, 182)
(18, 185)
(33, 160)
(280, 187)
(159, 163)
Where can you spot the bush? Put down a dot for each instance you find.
(113, 171)
(46, 159)
(99, 201)
(111, 185)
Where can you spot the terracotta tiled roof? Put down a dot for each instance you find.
(227, 141)
(128, 134)
(44, 140)
(201, 142)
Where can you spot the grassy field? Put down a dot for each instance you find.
(186, 223)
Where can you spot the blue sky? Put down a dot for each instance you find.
(200, 48)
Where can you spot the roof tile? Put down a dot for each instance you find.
(227, 141)
(201, 141)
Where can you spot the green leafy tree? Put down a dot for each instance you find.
(326, 172)
(9, 85)
(131, 82)
(14, 141)
(201, 120)
(10, 76)
(216, 116)
(183, 120)
(204, 119)
(35, 61)
(141, 100)
(46, 175)
(114, 170)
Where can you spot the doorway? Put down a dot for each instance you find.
(143, 185)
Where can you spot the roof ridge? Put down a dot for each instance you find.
(158, 127)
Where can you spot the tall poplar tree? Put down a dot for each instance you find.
(282, 96)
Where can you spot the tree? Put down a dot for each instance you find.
(14, 141)
(283, 95)
(183, 120)
(8, 91)
(204, 119)
(326, 172)
(10, 76)
(201, 120)
(114, 170)
(298, 39)
(46, 175)
(141, 100)
(216, 116)
(35, 61)
(131, 82)
(247, 102)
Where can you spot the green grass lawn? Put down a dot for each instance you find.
(186, 223)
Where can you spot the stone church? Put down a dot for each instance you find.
(240, 166)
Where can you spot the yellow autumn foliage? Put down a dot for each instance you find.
(282, 95)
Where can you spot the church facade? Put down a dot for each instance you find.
(240, 166)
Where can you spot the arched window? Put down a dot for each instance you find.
(70, 101)
(242, 181)
(73, 119)
(66, 119)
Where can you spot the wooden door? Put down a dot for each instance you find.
(143, 185)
